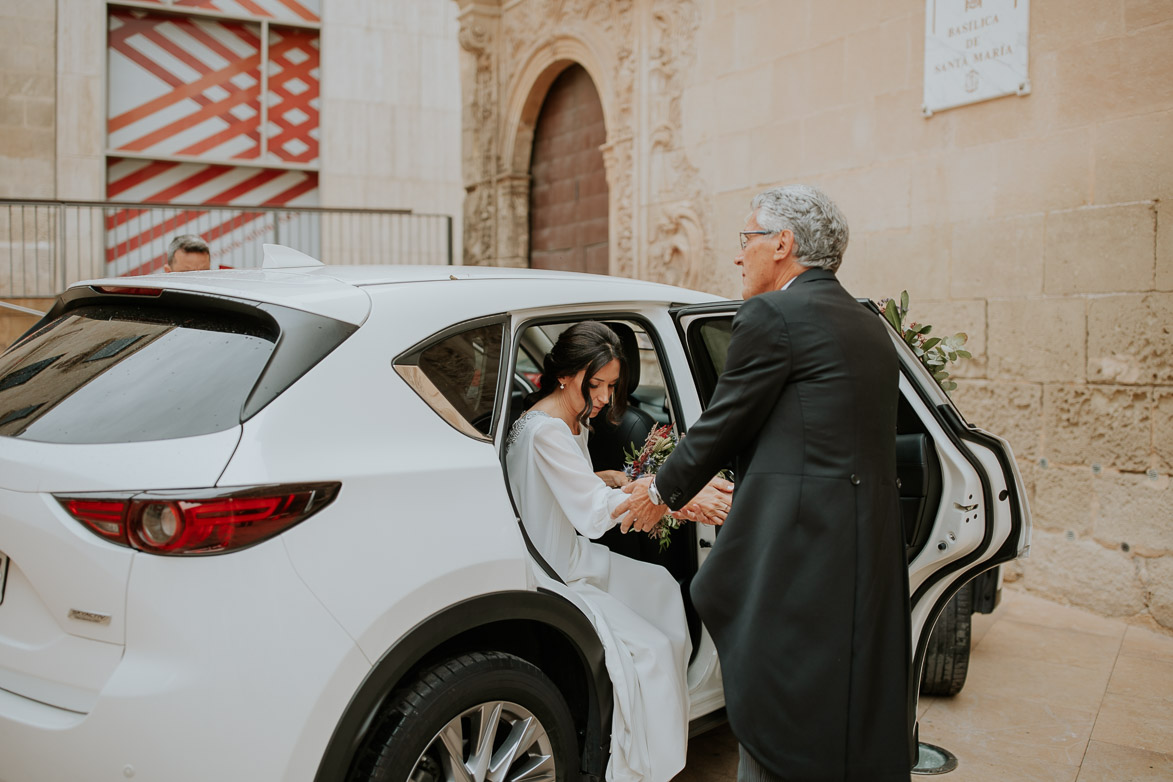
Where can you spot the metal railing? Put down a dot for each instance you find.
(46, 246)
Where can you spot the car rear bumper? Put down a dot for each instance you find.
(240, 629)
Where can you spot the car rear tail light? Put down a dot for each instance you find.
(103, 516)
(194, 523)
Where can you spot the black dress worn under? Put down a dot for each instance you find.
(806, 589)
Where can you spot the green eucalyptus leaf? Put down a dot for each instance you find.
(892, 315)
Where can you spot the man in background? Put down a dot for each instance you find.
(188, 253)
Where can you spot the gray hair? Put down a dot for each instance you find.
(189, 243)
(819, 228)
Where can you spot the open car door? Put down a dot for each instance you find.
(962, 499)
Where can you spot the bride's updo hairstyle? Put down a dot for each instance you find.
(588, 345)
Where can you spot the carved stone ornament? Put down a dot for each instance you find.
(618, 163)
(638, 52)
(479, 221)
(479, 85)
(680, 251)
(677, 248)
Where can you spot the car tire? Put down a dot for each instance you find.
(947, 654)
(455, 710)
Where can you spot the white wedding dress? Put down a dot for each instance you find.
(636, 607)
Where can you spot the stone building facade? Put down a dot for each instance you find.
(1041, 225)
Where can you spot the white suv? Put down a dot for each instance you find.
(254, 524)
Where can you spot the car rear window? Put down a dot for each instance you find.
(121, 372)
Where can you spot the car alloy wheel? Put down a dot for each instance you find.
(480, 717)
(493, 741)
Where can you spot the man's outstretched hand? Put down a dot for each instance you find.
(711, 505)
(641, 512)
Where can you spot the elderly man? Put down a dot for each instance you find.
(806, 590)
(187, 253)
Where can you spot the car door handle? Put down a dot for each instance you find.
(965, 508)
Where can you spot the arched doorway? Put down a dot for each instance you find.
(568, 191)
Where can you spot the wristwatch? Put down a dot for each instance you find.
(654, 493)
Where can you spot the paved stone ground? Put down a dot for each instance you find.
(1054, 694)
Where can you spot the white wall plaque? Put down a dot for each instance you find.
(974, 50)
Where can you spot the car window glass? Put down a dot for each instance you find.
(652, 392)
(457, 376)
(715, 336)
(529, 366)
(708, 341)
(117, 373)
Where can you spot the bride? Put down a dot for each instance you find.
(636, 607)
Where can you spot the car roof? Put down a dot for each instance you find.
(341, 292)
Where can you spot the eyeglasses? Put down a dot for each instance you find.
(744, 234)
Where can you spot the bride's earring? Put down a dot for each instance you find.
(562, 385)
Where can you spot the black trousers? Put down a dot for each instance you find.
(749, 770)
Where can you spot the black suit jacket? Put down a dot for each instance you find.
(806, 589)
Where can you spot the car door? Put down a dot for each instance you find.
(962, 497)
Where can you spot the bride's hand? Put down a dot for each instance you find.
(710, 505)
(614, 478)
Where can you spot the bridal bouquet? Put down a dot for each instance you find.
(647, 461)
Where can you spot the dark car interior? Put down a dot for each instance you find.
(918, 472)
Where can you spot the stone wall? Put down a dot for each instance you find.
(28, 94)
(52, 99)
(391, 107)
(81, 100)
(1040, 225)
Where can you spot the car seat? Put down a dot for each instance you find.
(609, 445)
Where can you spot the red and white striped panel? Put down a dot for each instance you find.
(137, 238)
(277, 10)
(192, 87)
(293, 95)
(184, 86)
